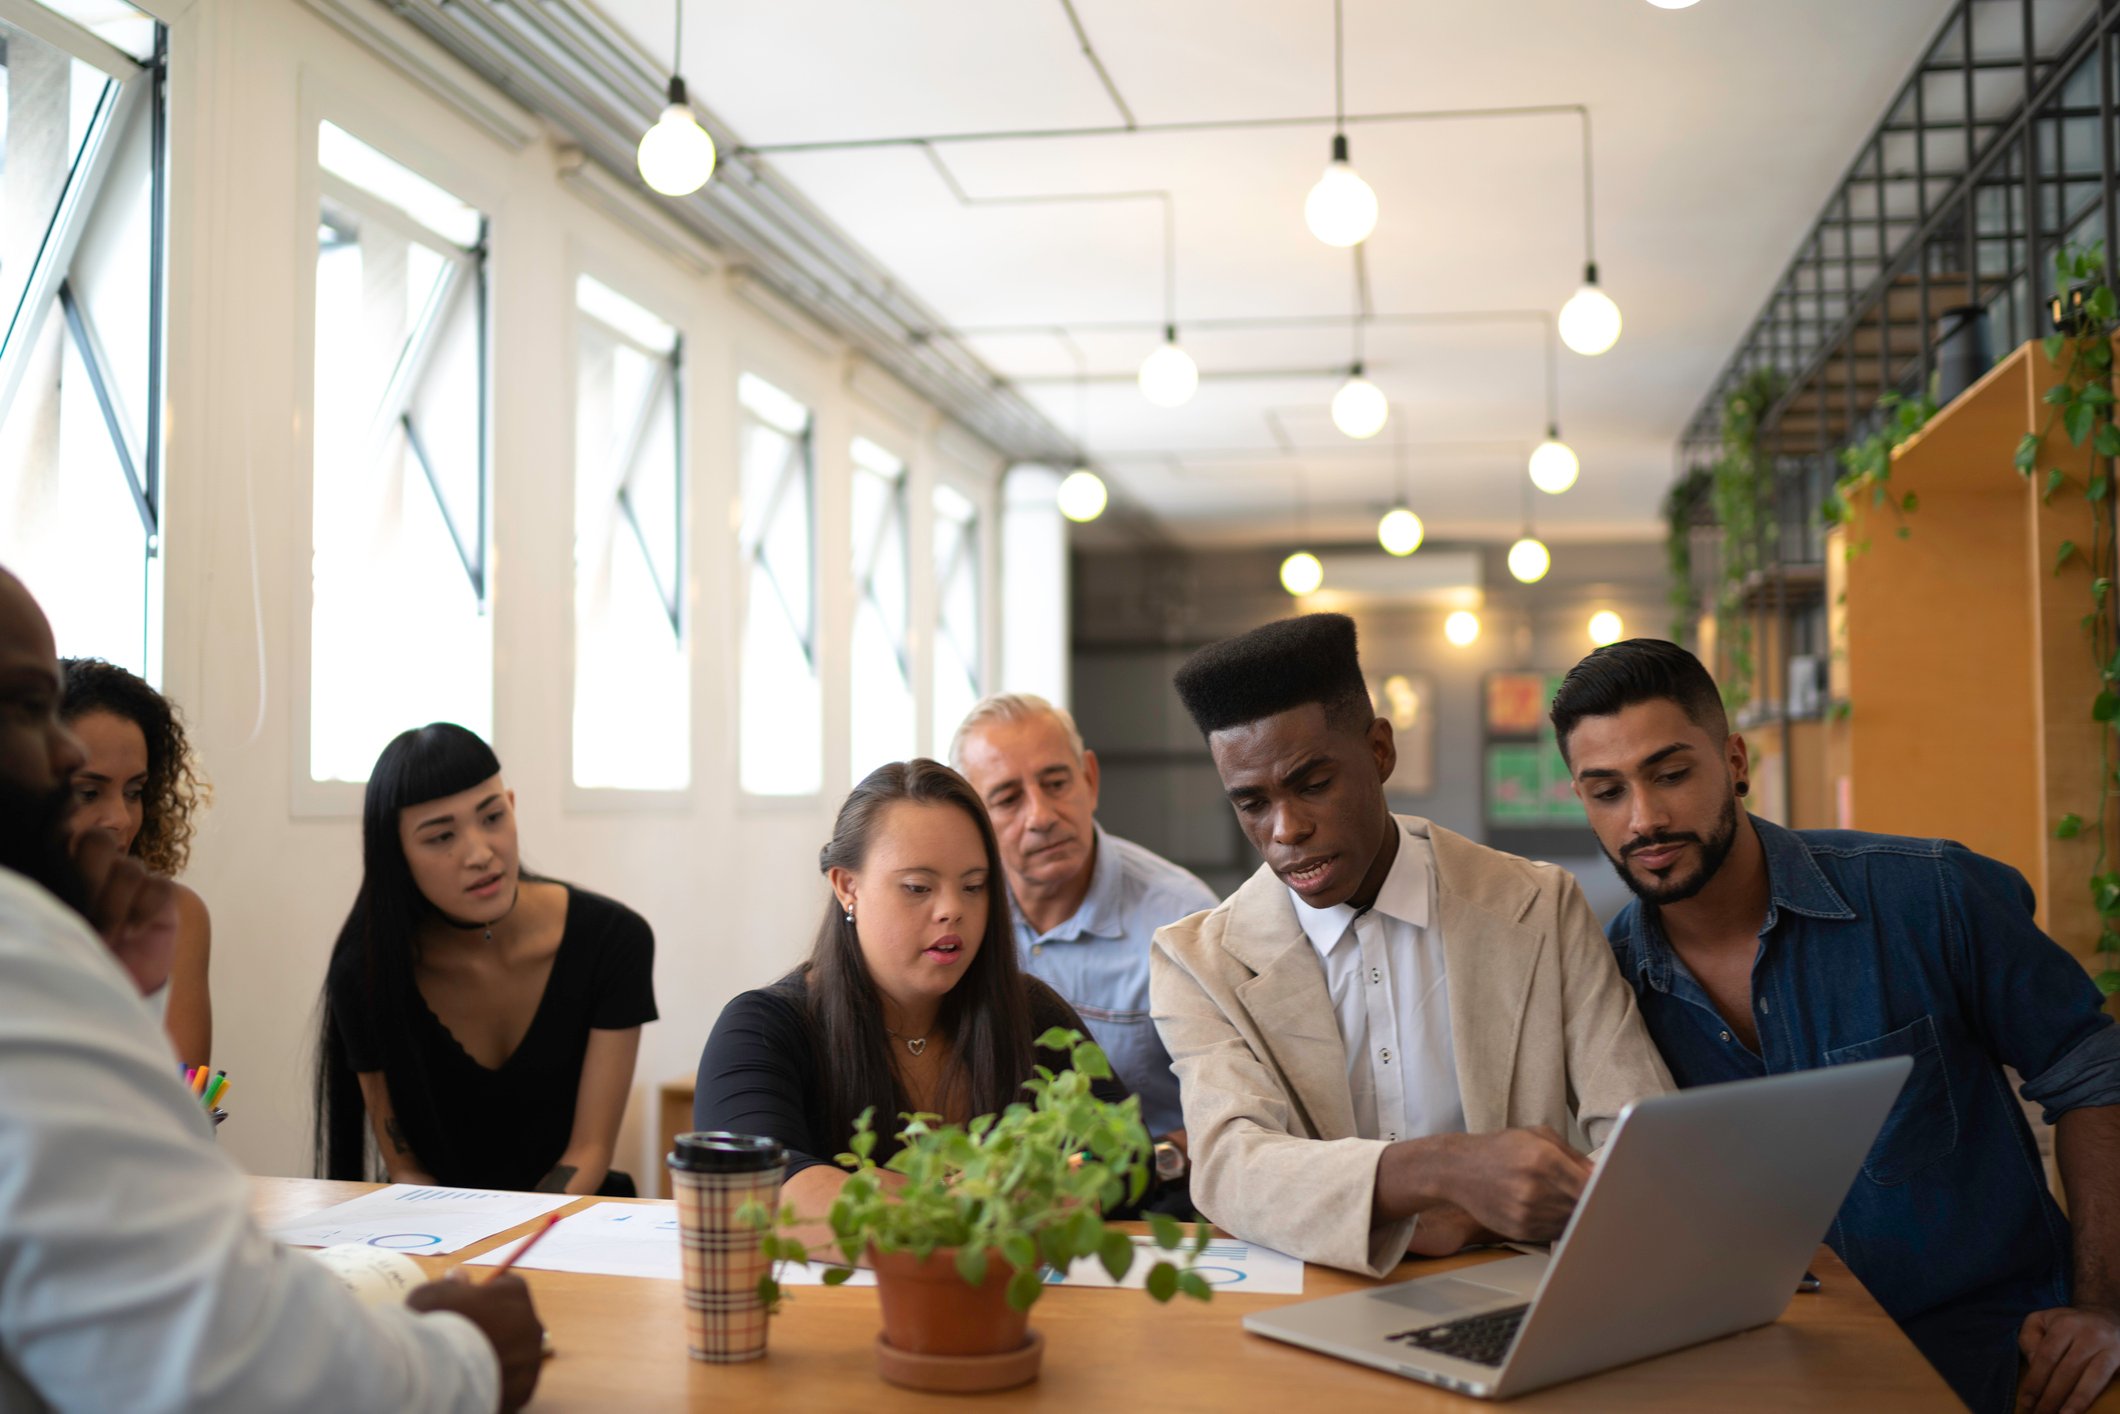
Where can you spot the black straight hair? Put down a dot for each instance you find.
(986, 1016)
(1636, 670)
(377, 946)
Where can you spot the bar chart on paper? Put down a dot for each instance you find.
(418, 1220)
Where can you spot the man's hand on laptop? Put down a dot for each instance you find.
(1517, 1184)
(1444, 1229)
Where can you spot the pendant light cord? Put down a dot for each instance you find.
(1339, 72)
(677, 47)
(1589, 207)
(1553, 383)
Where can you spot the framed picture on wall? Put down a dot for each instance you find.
(1408, 700)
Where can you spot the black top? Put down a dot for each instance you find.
(761, 1072)
(474, 1127)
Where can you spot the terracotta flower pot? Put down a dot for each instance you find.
(942, 1333)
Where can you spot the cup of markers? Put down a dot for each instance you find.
(211, 1088)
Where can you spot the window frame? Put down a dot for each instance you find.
(758, 350)
(48, 293)
(369, 121)
(671, 304)
(964, 481)
(912, 485)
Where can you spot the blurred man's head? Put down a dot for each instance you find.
(1026, 759)
(38, 755)
(1642, 728)
(1302, 754)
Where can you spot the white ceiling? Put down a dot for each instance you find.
(1719, 132)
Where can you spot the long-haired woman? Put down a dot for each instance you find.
(484, 1020)
(911, 999)
(140, 785)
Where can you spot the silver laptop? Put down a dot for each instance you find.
(1702, 1213)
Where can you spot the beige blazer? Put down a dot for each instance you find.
(1544, 1029)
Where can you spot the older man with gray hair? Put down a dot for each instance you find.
(1087, 903)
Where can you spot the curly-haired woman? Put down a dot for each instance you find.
(141, 786)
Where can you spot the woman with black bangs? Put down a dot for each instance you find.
(486, 1020)
(911, 1001)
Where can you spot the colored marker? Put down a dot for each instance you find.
(198, 1084)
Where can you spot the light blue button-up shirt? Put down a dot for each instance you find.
(1098, 960)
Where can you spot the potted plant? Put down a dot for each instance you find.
(959, 1238)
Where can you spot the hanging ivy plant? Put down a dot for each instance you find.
(1679, 503)
(2081, 404)
(1740, 492)
(1866, 467)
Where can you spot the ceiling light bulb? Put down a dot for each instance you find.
(1341, 210)
(1168, 375)
(1553, 465)
(1400, 532)
(676, 155)
(1301, 573)
(1082, 496)
(1359, 408)
(1605, 627)
(1589, 321)
(1528, 561)
(1462, 627)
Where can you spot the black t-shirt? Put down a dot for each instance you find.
(762, 1073)
(475, 1127)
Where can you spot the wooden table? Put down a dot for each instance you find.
(621, 1344)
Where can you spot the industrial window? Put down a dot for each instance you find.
(632, 639)
(780, 731)
(958, 612)
(81, 245)
(399, 629)
(881, 723)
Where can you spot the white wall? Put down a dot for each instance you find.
(729, 884)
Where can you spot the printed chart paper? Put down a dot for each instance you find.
(1228, 1265)
(418, 1221)
(626, 1240)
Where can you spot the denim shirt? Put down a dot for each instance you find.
(1098, 959)
(1880, 945)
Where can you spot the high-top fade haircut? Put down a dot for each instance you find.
(1283, 665)
(1636, 670)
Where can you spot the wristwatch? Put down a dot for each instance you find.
(1171, 1161)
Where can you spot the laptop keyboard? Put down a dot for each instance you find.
(1482, 1340)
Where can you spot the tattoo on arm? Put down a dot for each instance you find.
(557, 1180)
(396, 1132)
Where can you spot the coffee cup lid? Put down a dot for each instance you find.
(719, 1151)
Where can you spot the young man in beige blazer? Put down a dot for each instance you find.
(1383, 1035)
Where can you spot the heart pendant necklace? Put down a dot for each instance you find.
(915, 1044)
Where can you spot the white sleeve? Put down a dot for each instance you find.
(131, 1274)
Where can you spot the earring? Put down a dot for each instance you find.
(850, 913)
(1743, 788)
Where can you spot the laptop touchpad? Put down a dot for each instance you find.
(1445, 1296)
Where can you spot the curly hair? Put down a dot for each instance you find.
(175, 789)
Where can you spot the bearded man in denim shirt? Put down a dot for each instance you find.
(1755, 950)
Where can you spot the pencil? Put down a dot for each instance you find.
(544, 1226)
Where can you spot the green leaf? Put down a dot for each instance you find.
(2028, 452)
(2107, 442)
(2096, 394)
(2071, 826)
(2055, 478)
(2077, 419)
(1909, 502)
(1166, 1231)
(1116, 1253)
(971, 1264)
(2100, 304)
(768, 1292)
(2108, 981)
(2106, 707)
(1020, 1252)
(2064, 554)
(1906, 532)
(838, 1276)
(1194, 1285)
(2105, 894)
(2100, 488)
(1024, 1289)
(2052, 345)
(2056, 395)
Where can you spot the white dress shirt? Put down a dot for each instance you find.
(1391, 993)
(131, 1275)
